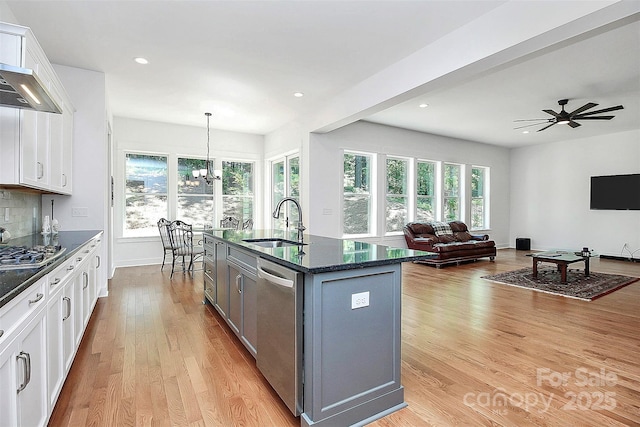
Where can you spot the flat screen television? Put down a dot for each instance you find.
(615, 192)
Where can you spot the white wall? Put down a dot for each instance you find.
(325, 171)
(550, 186)
(90, 175)
(173, 140)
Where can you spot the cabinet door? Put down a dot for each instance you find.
(68, 323)
(55, 346)
(8, 395)
(235, 298)
(222, 281)
(31, 384)
(34, 139)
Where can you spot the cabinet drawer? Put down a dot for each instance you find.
(20, 308)
(243, 259)
(209, 271)
(60, 275)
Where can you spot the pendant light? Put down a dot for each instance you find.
(208, 174)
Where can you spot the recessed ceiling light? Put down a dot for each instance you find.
(298, 94)
(423, 105)
(141, 60)
(525, 131)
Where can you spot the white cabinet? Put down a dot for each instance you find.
(36, 146)
(60, 337)
(23, 382)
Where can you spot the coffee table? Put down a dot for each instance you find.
(561, 258)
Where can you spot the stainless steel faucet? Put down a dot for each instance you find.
(300, 227)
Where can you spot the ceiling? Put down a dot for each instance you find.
(243, 61)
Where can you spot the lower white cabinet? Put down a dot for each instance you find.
(41, 331)
(23, 370)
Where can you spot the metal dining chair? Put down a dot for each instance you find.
(181, 237)
(229, 222)
(164, 237)
(248, 224)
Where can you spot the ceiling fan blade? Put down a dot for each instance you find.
(529, 125)
(594, 118)
(604, 110)
(574, 124)
(583, 108)
(533, 120)
(553, 113)
(548, 126)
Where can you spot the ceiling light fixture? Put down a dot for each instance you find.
(423, 105)
(141, 60)
(208, 174)
(298, 94)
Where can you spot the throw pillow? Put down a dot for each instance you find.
(441, 228)
(462, 236)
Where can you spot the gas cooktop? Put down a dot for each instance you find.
(15, 257)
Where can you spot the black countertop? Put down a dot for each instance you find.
(321, 254)
(12, 282)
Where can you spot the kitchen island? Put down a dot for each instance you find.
(341, 360)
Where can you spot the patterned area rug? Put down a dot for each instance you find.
(578, 286)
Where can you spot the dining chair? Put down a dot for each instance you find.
(248, 224)
(181, 237)
(229, 222)
(164, 237)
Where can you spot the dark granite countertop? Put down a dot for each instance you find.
(12, 282)
(321, 254)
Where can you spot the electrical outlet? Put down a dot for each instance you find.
(80, 212)
(360, 300)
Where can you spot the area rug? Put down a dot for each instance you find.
(578, 286)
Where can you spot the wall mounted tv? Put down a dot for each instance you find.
(615, 192)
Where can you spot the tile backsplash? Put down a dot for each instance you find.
(20, 212)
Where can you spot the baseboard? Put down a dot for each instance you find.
(620, 258)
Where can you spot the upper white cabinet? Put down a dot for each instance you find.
(36, 146)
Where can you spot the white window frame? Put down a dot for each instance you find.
(459, 197)
(407, 195)
(485, 197)
(372, 193)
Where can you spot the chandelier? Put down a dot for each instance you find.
(208, 174)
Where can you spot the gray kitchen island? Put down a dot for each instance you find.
(322, 318)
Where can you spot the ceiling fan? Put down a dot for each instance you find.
(564, 117)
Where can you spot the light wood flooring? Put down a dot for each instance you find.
(473, 353)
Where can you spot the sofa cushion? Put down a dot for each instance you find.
(461, 246)
(421, 228)
(458, 226)
(441, 228)
(446, 238)
(462, 236)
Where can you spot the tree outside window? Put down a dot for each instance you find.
(397, 194)
(478, 198)
(356, 193)
(145, 194)
(451, 199)
(425, 197)
(195, 196)
(237, 190)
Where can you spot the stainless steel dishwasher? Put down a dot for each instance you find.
(279, 346)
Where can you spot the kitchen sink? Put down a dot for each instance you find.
(272, 242)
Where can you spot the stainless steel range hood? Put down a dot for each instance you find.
(21, 88)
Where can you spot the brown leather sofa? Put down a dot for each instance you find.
(458, 246)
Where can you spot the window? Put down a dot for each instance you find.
(425, 193)
(195, 196)
(145, 194)
(397, 195)
(479, 182)
(357, 193)
(451, 193)
(285, 185)
(237, 190)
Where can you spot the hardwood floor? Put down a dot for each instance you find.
(473, 353)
